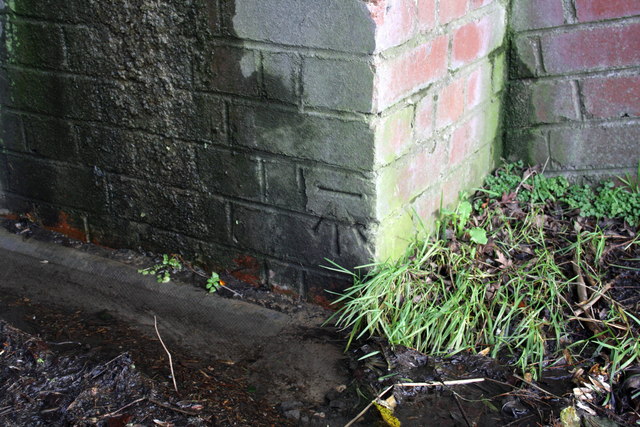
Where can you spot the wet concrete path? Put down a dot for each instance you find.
(287, 357)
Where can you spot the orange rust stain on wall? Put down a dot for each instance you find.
(248, 271)
(63, 227)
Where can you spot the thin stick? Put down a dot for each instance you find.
(164, 405)
(586, 306)
(364, 411)
(437, 383)
(111, 414)
(466, 420)
(536, 387)
(173, 376)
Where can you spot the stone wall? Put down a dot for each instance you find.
(575, 85)
(257, 136)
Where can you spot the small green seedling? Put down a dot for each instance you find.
(163, 270)
(214, 283)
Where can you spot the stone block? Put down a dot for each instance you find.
(343, 25)
(230, 173)
(158, 205)
(595, 10)
(65, 186)
(529, 145)
(588, 49)
(338, 84)
(165, 161)
(323, 139)
(542, 101)
(601, 147)
(50, 137)
(228, 69)
(345, 196)
(284, 184)
(534, 14)
(285, 278)
(11, 131)
(107, 149)
(35, 44)
(612, 96)
(280, 76)
(295, 238)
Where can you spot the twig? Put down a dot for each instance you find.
(586, 306)
(537, 387)
(425, 384)
(173, 408)
(581, 286)
(111, 414)
(364, 411)
(464, 415)
(173, 376)
(589, 320)
(437, 383)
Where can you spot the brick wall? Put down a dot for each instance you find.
(440, 72)
(256, 136)
(575, 85)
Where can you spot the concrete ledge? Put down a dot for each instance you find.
(50, 273)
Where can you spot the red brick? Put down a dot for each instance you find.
(589, 49)
(424, 118)
(476, 39)
(426, 14)
(412, 70)
(593, 10)
(396, 24)
(478, 87)
(420, 171)
(475, 4)
(464, 140)
(531, 14)
(609, 97)
(452, 9)
(394, 136)
(450, 103)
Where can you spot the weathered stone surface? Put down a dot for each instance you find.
(541, 102)
(11, 132)
(229, 172)
(50, 137)
(613, 146)
(158, 205)
(340, 195)
(280, 76)
(328, 140)
(343, 25)
(64, 185)
(295, 238)
(284, 182)
(528, 145)
(337, 84)
(35, 44)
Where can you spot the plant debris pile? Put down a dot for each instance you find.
(533, 271)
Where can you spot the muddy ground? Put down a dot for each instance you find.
(94, 358)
